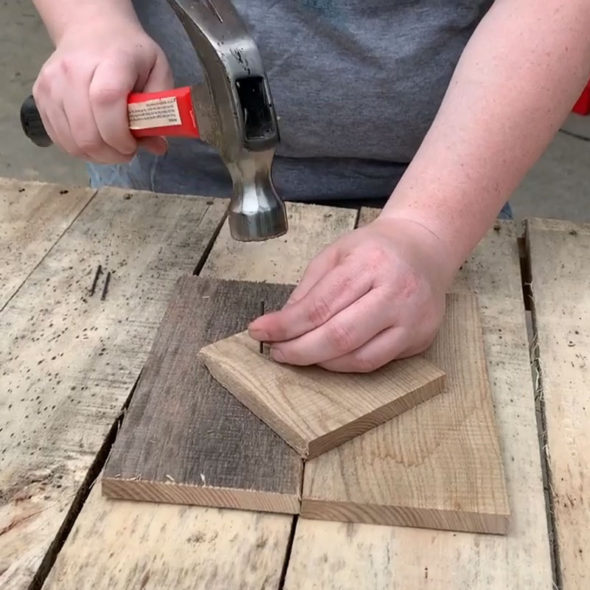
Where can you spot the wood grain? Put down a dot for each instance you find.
(559, 257)
(32, 218)
(315, 410)
(133, 545)
(445, 472)
(185, 439)
(232, 548)
(282, 260)
(68, 360)
(352, 556)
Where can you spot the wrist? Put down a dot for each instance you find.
(70, 16)
(421, 245)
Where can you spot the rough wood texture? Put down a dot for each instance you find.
(559, 256)
(185, 439)
(283, 260)
(227, 553)
(135, 546)
(351, 556)
(68, 360)
(32, 218)
(440, 468)
(314, 410)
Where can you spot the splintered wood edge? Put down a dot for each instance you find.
(235, 387)
(377, 417)
(428, 518)
(206, 496)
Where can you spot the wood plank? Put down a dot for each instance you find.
(559, 256)
(33, 216)
(69, 360)
(234, 548)
(185, 439)
(143, 546)
(351, 556)
(315, 410)
(282, 260)
(440, 468)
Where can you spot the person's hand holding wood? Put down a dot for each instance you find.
(374, 295)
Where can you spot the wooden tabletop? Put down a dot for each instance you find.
(69, 362)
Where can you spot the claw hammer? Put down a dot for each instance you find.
(232, 111)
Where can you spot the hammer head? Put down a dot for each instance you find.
(236, 114)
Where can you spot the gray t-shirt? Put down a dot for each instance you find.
(356, 84)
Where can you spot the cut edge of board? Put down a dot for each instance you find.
(377, 417)
(406, 516)
(211, 497)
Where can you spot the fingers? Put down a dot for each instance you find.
(316, 270)
(348, 330)
(383, 348)
(160, 76)
(334, 292)
(104, 115)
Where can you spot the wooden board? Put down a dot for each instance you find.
(185, 439)
(559, 255)
(284, 259)
(351, 556)
(68, 360)
(315, 410)
(441, 469)
(32, 218)
(228, 548)
(137, 546)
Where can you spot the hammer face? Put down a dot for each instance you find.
(256, 212)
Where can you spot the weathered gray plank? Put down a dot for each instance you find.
(559, 256)
(33, 216)
(185, 439)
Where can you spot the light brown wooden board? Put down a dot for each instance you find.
(185, 439)
(118, 545)
(68, 361)
(32, 218)
(137, 546)
(344, 556)
(559, 255)
(444, 472)
(315, 410)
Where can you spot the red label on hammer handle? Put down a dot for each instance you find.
(166, 113)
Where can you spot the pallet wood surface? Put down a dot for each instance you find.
(258, 540)
(351, 556)
(315, 410)
(559, 256)
(68, 360)
(438, 466)
(185, 439)
(170, 547)
(32, 218)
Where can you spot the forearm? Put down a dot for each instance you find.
(515, 83)
(59, 16)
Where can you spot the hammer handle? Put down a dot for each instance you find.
(167, 113)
